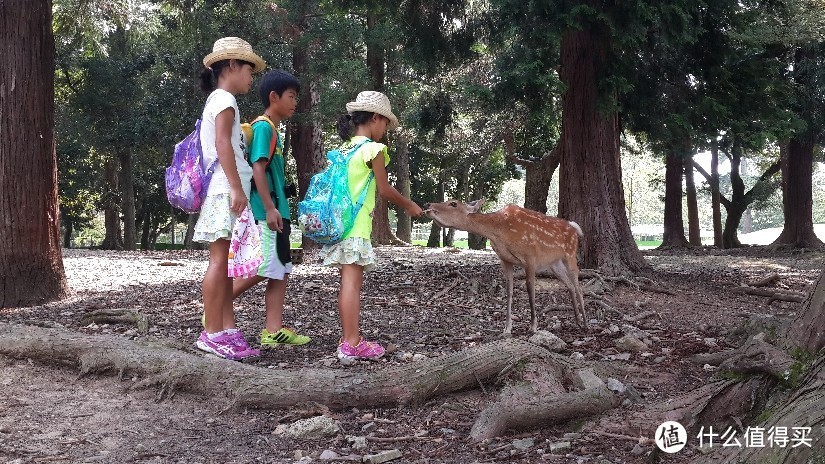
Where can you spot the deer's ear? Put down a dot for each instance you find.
(475, 206)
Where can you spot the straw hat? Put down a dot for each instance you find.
(234, 48)
(374, 102)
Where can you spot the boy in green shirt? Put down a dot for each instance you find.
(279, 95)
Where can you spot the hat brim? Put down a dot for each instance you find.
(236, 54)
(357, 106)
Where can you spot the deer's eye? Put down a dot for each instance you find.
(453, 204)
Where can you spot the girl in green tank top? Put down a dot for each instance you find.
(368, 117)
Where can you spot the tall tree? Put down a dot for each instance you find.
(31, 266)
(808, 79)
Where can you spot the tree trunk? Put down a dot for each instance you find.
(31, 265)
(539, 173)
(188, 243)
(807, 330)
(434, 241)
(68, 229)
(590, 188)
(147, 227)
(127, 189)
(740, 199)
(797, 194)
(111, 212)
(306, 141)
(694, 231)
(716, 203)
(402, 155)
(674, 227)
(730, 235)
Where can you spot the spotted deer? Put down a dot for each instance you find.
(525, 238)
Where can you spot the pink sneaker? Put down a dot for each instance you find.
(238, 340)
(221, 346)
(348, 354)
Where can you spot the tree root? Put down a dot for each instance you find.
(524, 408)
(118, 316)
(754, 357)
(250, 386)
(774, 295)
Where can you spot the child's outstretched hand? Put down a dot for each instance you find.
(414, 210)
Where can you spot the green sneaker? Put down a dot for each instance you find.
(284, 336)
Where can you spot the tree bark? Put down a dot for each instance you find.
(68, 229)
(402, 155)
(188, 242)
(694, 231)
(716, 204)
(31, 265)
(539, 174)
(111, 211)
(249, 386)
(797, 194)
(807, 330)
(590, 188)
(127, 189)
(306, 139)
(674, 227)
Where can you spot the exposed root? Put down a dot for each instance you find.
(118, 316)
(525, 408)
(774, 295)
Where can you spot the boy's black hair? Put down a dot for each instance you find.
(348, 122)
(209, 76)
(277, 81)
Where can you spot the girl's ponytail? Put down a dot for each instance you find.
(345, 128)
(207, 80)
(348, 122)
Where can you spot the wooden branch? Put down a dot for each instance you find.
(641, 316)
(781, 295)
(765, 281)
(244, 385)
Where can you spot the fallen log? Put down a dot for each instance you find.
(765, 281)
(774, 295)
(176, 369)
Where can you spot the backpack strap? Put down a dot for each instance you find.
(273, 142)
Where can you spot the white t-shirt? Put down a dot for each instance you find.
(218, 101)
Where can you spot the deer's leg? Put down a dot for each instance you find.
(560, 270)
(530, 274)
(507, 269)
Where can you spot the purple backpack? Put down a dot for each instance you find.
(186, 179)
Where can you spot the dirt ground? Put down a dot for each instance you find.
(419, 302)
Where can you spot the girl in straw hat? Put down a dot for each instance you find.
(369, 117)
(228, 72)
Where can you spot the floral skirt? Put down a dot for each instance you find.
(353, 250)
(216, 219)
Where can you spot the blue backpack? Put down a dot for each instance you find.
(328, 211)
(186, 179)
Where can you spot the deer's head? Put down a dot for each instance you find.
(452, 213)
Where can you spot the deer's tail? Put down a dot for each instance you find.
(578, 229)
